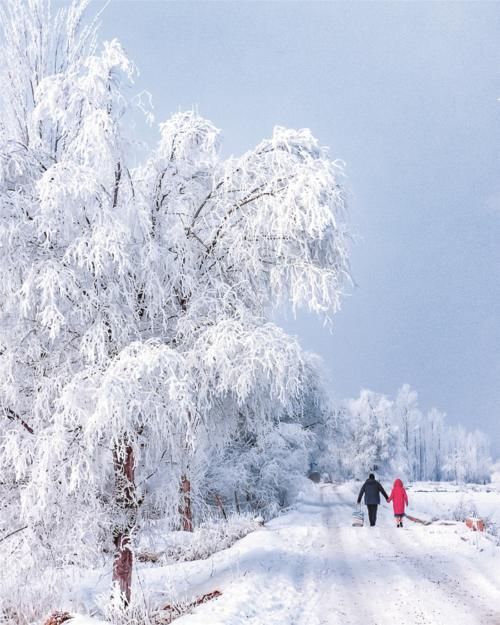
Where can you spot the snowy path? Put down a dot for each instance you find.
(310, 567)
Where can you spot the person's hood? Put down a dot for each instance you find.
(398, 483)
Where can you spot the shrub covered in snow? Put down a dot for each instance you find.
(260, 473)
(162, 547)
(464, 509)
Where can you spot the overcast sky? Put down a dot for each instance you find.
(407, 95)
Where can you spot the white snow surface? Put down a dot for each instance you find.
(311, 567)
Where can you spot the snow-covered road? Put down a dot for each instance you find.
(311, 567)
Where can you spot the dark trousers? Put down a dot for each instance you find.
(372, 514)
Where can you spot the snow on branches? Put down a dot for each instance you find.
(133, 328)
(393, 436)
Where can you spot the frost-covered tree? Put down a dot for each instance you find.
(326, 421)
(408, 418)
(467, 457)
(372, 435)
(436, 434)
(399, 439)
(262, 468)
(133, 299)
(455, 465)
(260, 473)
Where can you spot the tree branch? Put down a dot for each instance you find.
(2, 538)
(118, 175)
(203, 204)
(13, 416)
(255, 194)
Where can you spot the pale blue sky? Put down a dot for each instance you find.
(406, 94)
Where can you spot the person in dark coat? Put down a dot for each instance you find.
(371, 489)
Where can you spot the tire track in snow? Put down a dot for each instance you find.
(397, 576)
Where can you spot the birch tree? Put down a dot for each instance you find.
(372, 436)
(134, 300)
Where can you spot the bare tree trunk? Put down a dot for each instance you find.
(219, 503)
(126, 500)
(186, 511)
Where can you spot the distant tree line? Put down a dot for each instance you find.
(394, 436)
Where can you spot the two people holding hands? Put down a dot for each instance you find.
(372, 489)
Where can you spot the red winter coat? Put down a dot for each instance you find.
(398, 497)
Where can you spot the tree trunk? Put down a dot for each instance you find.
(125, 497)
(218, 501)
(186, 511)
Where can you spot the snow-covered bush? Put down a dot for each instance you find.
(165, 547)
(493, 530)
(261, 473)
(464, 509)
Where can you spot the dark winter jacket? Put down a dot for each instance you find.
(371, 489)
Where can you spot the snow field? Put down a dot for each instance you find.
(311, 567)
(448, 501)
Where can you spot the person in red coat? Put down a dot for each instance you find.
(399, 500)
